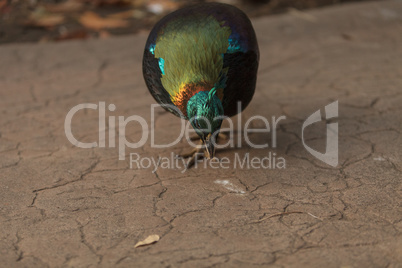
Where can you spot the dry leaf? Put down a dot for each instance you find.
(93, 21)
(158, 6)
(39, 18)
(3, 3)
(69, 6)
(76, 34)
(134, 13)
(147, 241)
(49, 21)
(112, 2)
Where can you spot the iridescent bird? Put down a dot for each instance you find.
(199, 62)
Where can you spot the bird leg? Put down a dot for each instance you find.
(224, 135)
(200, 150)
(194, 154)
(194, 138)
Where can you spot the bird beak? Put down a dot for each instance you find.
(209, 146)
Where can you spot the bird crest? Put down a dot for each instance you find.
(210, 98)
(211, 93)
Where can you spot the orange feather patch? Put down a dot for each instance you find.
(186, 92)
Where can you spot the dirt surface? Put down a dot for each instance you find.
(64, 206)
(60, 20)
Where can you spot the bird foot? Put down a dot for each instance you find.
(194, 138)
(221, 135)
(194, 155)
(199, 152)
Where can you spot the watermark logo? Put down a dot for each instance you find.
(330, 156)
(148, 130)
(115, 129)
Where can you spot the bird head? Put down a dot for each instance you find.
(205, 113)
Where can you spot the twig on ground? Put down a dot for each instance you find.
(287, 213)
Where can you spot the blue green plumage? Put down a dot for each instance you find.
(200, 61)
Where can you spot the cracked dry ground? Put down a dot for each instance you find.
(64, 206)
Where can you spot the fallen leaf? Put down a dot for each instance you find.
(76, 34)
(230, 186)
(40, 18)
(93, 21)
(113, 2)
(3, 3)
(49, 21)
(158, 6)
(134, 13)
(68, 6)
(4, 8)
(147, 241)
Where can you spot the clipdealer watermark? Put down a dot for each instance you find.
(246, 161)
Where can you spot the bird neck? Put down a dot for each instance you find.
(186, 92)
(205, 106)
